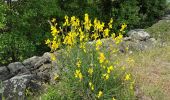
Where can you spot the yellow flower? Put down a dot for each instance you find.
(91, 86)
(95, 36)
(98, 44)
(119, 39)
(70, 39)
(123, 67)
(101, 57)
(78, 63)
(54, 46)
(53, 20)
(66, 23)
(82, 46)
(110, 23)
(123, 27)
(106, 33)
(99, 94)
(54, 31)
(109, 69)
(90, 71)
(98, 26)
(113, 36)
(105, 76)
(127, 77)
(78, 74)
(87, 22)
(56, 77)
(74, 21)
(82, 36)
(47, 41)
(53, 57)
(113, 98)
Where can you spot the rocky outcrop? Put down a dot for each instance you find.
(139, 39)
(15, 88)
(31, 73)
(138, 34)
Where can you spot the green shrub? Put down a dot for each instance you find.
(126, 11)
(2, 15)
(151, 11)
(30, 17)
(14, 47)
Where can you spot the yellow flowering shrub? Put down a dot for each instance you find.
(91, 73)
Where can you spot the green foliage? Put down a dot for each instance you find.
(71, 88)
(14, 47)
(30, 17)
(160, 30)
(126, 11)
(151, 10)
(2, 15)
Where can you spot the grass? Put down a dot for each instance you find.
(151, 69)
(160, 30)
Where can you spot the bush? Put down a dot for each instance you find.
(126, 11)
(14, 47)
(151, 11)
(30, 17)
(2, 15)
(90, 71)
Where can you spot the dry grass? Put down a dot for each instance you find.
(152, 67)
(152, 73)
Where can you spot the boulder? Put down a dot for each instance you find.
(35, 62)
(138, 34)
(31, 62)
(4, 73)
(16, 68)
(15, 88)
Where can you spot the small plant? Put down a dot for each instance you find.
(90, 71)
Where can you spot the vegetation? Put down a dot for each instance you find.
(92, 71)
(88, 70)
(14, 48)
(29, 18)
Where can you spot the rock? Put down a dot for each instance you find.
(47, 56)
(16, 68)
(44, 60)
(35, 62)
(138, 34)
(15, 88)
(167, 17)
(4, 73)
(153, 40)
(126, 38)
(30, 62)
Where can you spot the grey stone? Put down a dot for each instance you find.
(30, 62)
(15, 67)
(14, 88)
(4, 73)
(138, 34)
